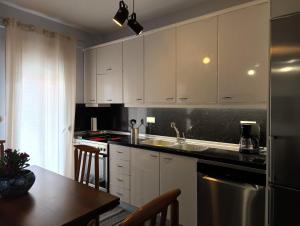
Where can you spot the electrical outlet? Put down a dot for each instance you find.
(151, 120)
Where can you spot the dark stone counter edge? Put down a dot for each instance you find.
(199, 155)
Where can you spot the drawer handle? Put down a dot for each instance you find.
(93, 100)
(170, 98)
(118, 193)
(109, 69)
(120, 166)
(109, 100)
(139, 99)
(168, 159)
(120, 152)
(227, 98)
(183, 98)
(118, 179)
(154, 156)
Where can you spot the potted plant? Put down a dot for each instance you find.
(15, 180)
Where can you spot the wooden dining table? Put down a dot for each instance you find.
(55, 200)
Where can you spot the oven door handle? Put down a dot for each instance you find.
(103, 155)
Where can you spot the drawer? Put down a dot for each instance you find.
(118, 167)
(122, 193)
(117, 152)
(121, 181)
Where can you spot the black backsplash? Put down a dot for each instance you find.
(222, 125)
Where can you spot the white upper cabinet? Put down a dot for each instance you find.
(144, 176)
(90, 76)
(197, 66)
(159, 63)
(109, 74)
(243, 55)
(133, 70)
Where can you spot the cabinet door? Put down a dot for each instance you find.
(110, 79)
(181, 172)
(159, 66)
(144, 176)
(109, 88)
(197, 73)
(90, 76)
(133, 70)
(243, 55)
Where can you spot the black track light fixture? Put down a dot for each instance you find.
(122, 14)
(134, 25)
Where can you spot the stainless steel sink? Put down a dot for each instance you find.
(156, 142)
(174, 145)
(189, 147)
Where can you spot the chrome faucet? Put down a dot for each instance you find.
(180, 140)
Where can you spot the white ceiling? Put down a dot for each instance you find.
(95, 15)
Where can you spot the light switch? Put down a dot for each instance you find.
(151, 120)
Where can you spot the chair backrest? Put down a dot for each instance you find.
(2, 148)
(150, 211)
(82, 175)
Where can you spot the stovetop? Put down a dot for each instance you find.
(98, 136)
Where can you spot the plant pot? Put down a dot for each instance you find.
(18, 185)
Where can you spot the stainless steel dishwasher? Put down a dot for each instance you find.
(230, 195)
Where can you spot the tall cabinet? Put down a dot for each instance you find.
(243, 55)
(90, 76)
(109, 74)
(133, 70)
(197, 62)
(159, 63)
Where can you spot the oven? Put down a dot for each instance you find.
(103, 162)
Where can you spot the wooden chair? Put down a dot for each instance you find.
(150, 211)
(81, 174)
(80, 164)
(2, 148)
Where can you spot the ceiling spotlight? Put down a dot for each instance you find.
(134, 25)
(122, 14)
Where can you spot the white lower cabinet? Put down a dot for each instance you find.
(119, 172)
(181, 172)
(138, 176)
(144, 176)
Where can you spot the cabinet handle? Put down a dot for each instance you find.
(168, 159)
(154, 156)
(118, 179)
(120, 152)
(170, 98)
(92, 100)
(120, 166)
(183, 98)
(109, 69)
(227, 98)
(139, 99)
(109, 100)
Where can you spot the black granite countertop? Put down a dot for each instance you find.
(257, 161)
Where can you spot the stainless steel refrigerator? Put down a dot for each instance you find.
(284, 171)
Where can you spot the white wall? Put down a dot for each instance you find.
(2, 83)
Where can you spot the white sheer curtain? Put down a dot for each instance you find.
(41, 83)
